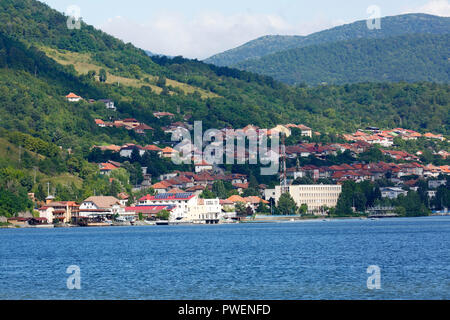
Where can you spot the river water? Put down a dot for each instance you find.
(293, 261)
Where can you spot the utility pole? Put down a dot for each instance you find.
(35, 169)
(283, 178)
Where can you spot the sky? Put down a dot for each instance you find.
(202, 28)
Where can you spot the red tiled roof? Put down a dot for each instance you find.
(72, 95)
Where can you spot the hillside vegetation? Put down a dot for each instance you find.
(406, 58)
(390, 27)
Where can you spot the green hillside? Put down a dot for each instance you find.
(390, 27)
(406, 58)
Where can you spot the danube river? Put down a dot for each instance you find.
(304, 260)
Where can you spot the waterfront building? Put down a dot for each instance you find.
(100, 207)
(317, 197)
(58, 211)
(186, 206)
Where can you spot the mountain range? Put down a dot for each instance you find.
(351, 53)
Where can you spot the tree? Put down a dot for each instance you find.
(262, 208)
(91, 74)
(303, 181)
(161, 82)
(241, 209)
(163, 215)
(219, 189)
(286, 205)
(207, 194)
(303, 209)
(413, 205)
(40, 193)
(102, 75)
(442, 199)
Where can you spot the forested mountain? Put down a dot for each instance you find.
(390, 27)
(405, 58)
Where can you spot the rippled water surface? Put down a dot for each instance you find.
(306, 260)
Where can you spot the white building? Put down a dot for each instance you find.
(72, 97)
(109, 104)
(188, 207)
(205, 210)
(203, 166)
(101, 206)
(317, 197)
(392, 192)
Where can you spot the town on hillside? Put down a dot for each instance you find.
(371, 172)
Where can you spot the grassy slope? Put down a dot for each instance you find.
(83, 63)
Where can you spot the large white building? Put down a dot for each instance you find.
(187, 206)
(317, 197)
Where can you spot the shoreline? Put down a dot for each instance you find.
(259, 221)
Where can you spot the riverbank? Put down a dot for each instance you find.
(250, 220)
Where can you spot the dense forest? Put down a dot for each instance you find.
(390, 27)
(405, 58)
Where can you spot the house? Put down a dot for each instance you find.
(123, 198)
(131, 123)
(410, 169)
(197, 190)
(58, 211)
(160, 115)
(162, 187)
(100, 123)
(306, 131)
(109, 104)
(107, 168)
(142, 128)
(252, 202)
(168, 152)
(203, 166)
(100, 207)
(281, 130)
(434, 184)
(434, 136)
(127, 150)
(72, 97)
(111, 147)
(400, 155)
(392, 192)
(240, 187)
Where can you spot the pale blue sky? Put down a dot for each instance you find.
(200, 28)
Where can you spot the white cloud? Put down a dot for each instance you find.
(207, 33)
(435, 7)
